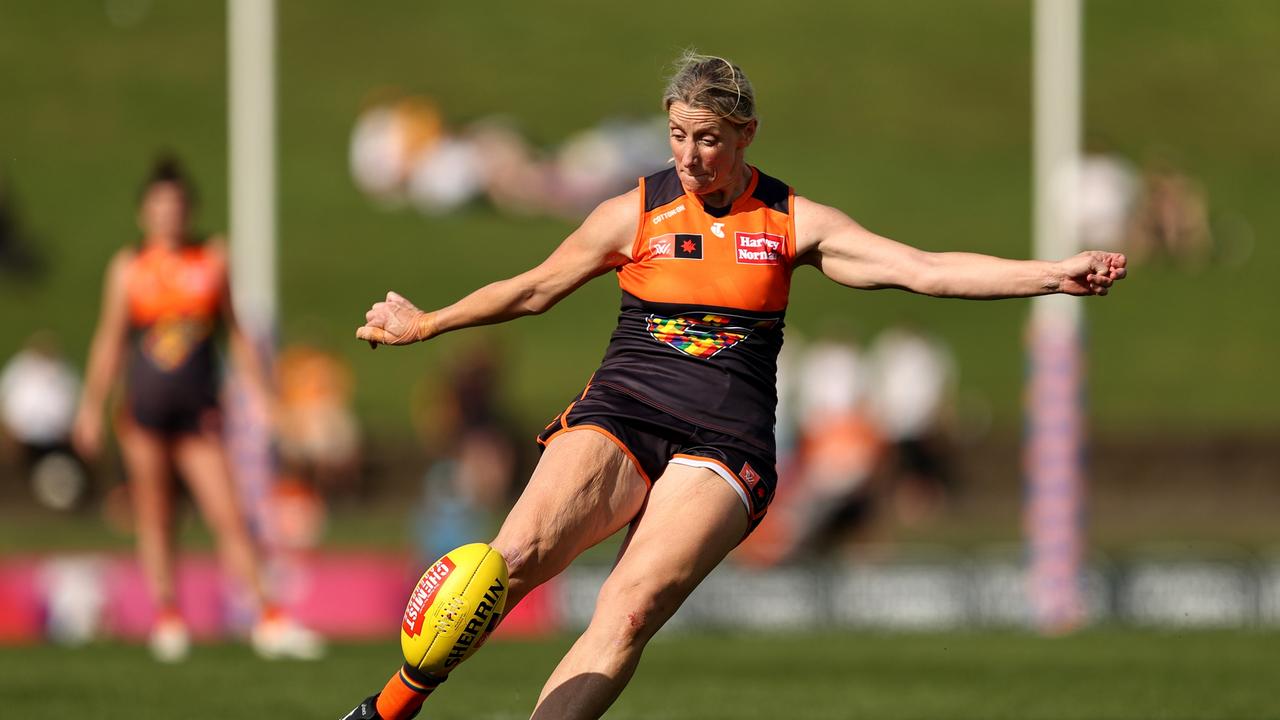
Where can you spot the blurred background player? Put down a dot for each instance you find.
(910, 400)
(164, 300)
(1171, 219)
(38, 390)
(317, 432)
(827, 497)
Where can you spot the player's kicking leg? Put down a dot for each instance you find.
(692, 521)
(584, 489)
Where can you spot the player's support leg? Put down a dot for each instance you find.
(583, 490)
(146, 460)
(692, 521)
(202, 460)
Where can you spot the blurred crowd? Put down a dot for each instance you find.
(1154, 212)
(404, 151)
(865, 443)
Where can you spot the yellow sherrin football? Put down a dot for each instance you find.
(455, 606)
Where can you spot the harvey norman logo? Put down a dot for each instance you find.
(758, 248)
(663, 217)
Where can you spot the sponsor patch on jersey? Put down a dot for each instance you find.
(704, 335)
(758, 248)
(676, 246)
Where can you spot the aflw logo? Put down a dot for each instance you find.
(676, 246)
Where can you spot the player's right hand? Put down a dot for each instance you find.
(394, 321)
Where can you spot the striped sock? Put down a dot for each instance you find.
(404, 693)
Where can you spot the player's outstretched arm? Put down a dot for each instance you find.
(851, 255)
(602, 242)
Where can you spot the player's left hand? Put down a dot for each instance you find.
(1092, 272)
(394, 321)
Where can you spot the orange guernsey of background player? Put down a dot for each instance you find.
(673, 435)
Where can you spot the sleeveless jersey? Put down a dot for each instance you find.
(174, 301)
(703, 301)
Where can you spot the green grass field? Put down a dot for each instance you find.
(1098, 675)
(914, 117)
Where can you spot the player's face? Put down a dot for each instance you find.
(164, 211)
(709, 151)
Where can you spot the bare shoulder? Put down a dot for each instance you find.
(119, 263)
(613, 223)
(816, 215)
(816, 222)
(216, 247)
(621, 210)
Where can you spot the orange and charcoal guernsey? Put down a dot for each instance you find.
(174, 298)
(703, 301)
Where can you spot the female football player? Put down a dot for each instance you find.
(164, 300)
(673, 435)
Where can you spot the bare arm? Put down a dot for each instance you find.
(602, 242)
(105, 352)
(852, 255)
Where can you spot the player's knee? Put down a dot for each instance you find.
(631, 613)
(530, 562)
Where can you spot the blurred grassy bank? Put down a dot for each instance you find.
(914, 117)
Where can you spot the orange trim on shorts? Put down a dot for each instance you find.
(746, 491)
(596, 428)
(564, 414)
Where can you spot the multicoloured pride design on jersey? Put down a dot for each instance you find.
(703, 335)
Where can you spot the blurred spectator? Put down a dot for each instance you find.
(472, 479)
(38, 395)
(1171, 220)
(603, 161)
(512, 169)
(316, 426)
(401, 149)
(913, 385)
(298, 514)
(827, 493)
(446, 176)
(1108, 187)
(386, 142)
